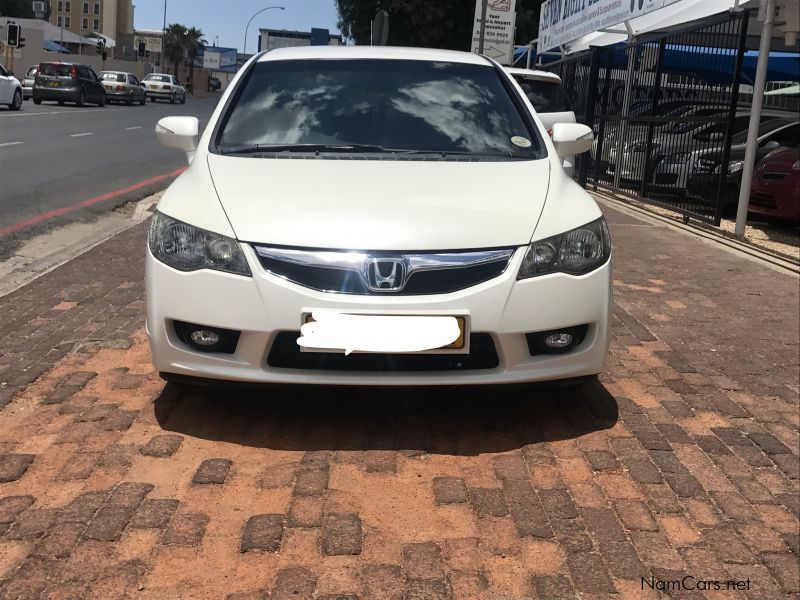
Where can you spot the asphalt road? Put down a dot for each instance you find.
(53, 157)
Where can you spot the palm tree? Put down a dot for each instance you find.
(193, 40)
(175, 44)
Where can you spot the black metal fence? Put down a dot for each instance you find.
(665, 111)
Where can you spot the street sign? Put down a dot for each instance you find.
(498, 36)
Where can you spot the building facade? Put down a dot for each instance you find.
(110, 18)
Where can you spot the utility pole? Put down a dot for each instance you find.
(483, 26)
(163, 36)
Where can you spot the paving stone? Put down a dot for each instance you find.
(526, 509)
(602, 460)
(31, 579)
(603, 525)
(305, 512)
(511, 467)
(292, 583)
(684, 485)
(128, 381)
(784, 568)
(427, 589)
(380, 461)
(119, 420)
(162, 446)
(488, 502)
(449, 490)
(14, 466)
(642, 469)
(635, 515)
(423, 560)
(262, 532)
(312, 480)
(558, 504)
(154, 513)
(212, 470)
(571, 535)
(383, 582)
(589, 573)
(769, 443)
(621, 559)
(186, 529)
(341, 534)
(31, 524)
(278, 476)
(553, 586)
(58, 540)
(11, 506)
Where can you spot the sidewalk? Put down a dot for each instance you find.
(682, 462)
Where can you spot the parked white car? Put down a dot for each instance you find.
(10, 90)
(398, 217)
(160, 86)
(546, 93)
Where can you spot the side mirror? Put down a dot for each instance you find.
(572, 138)
(179, 132)
(770, 144)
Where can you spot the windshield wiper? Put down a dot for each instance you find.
(316, 148)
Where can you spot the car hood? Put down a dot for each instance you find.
(381, 204)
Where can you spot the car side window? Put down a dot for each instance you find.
(175, 81)
(92, 75)
(785, 137)
(3, 72)
(132, 80)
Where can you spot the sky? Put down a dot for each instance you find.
(227, 18)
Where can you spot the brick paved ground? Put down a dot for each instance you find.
(683, 462)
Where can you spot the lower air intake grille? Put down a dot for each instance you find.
(286, 354)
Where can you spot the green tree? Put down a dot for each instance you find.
(441, 24)
(21, 9)
(175, 45)
(193, 41)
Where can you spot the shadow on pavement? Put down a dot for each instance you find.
(455, 421)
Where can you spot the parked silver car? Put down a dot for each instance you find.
(164, 87)
(122, 87)
(28, 80)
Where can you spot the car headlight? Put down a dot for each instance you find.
(735, 166)
(678, 159)
(575, 252)
(188, 248)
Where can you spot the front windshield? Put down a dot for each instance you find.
(410, 105)
(112, 77)
(764, 128)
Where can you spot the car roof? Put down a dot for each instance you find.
(374, 52)
(167, 74)
(116, 72)
(533, 74)
(58, 62)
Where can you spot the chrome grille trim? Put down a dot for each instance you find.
(356, 265)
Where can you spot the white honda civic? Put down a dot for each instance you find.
(377, 216)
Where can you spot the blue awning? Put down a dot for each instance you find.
(52, 46)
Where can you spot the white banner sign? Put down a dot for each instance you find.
(564, 21)
(498, 37)
(152, 44)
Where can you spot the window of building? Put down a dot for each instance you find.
(60, 6)
(84, 23)
(97, 8)
(66, 22)
(58, 20)
(96, 24)
(67, 6)
(85, 9)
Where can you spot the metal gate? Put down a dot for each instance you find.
(664, 110)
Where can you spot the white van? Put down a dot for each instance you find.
(546, 93)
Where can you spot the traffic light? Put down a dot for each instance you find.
(12, 35)
(21, 42)
(99, 46)
(142, 49)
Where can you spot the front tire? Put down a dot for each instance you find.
(81, 98)
(142, 101)
(37, 101)
(130, 100)
(183, 99)
(152, 99)
(172, 98)
(16, 102)
(102, 102)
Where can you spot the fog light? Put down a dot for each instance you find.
(204, 337)
(555, 340)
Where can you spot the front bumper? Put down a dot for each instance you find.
(263, 306)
